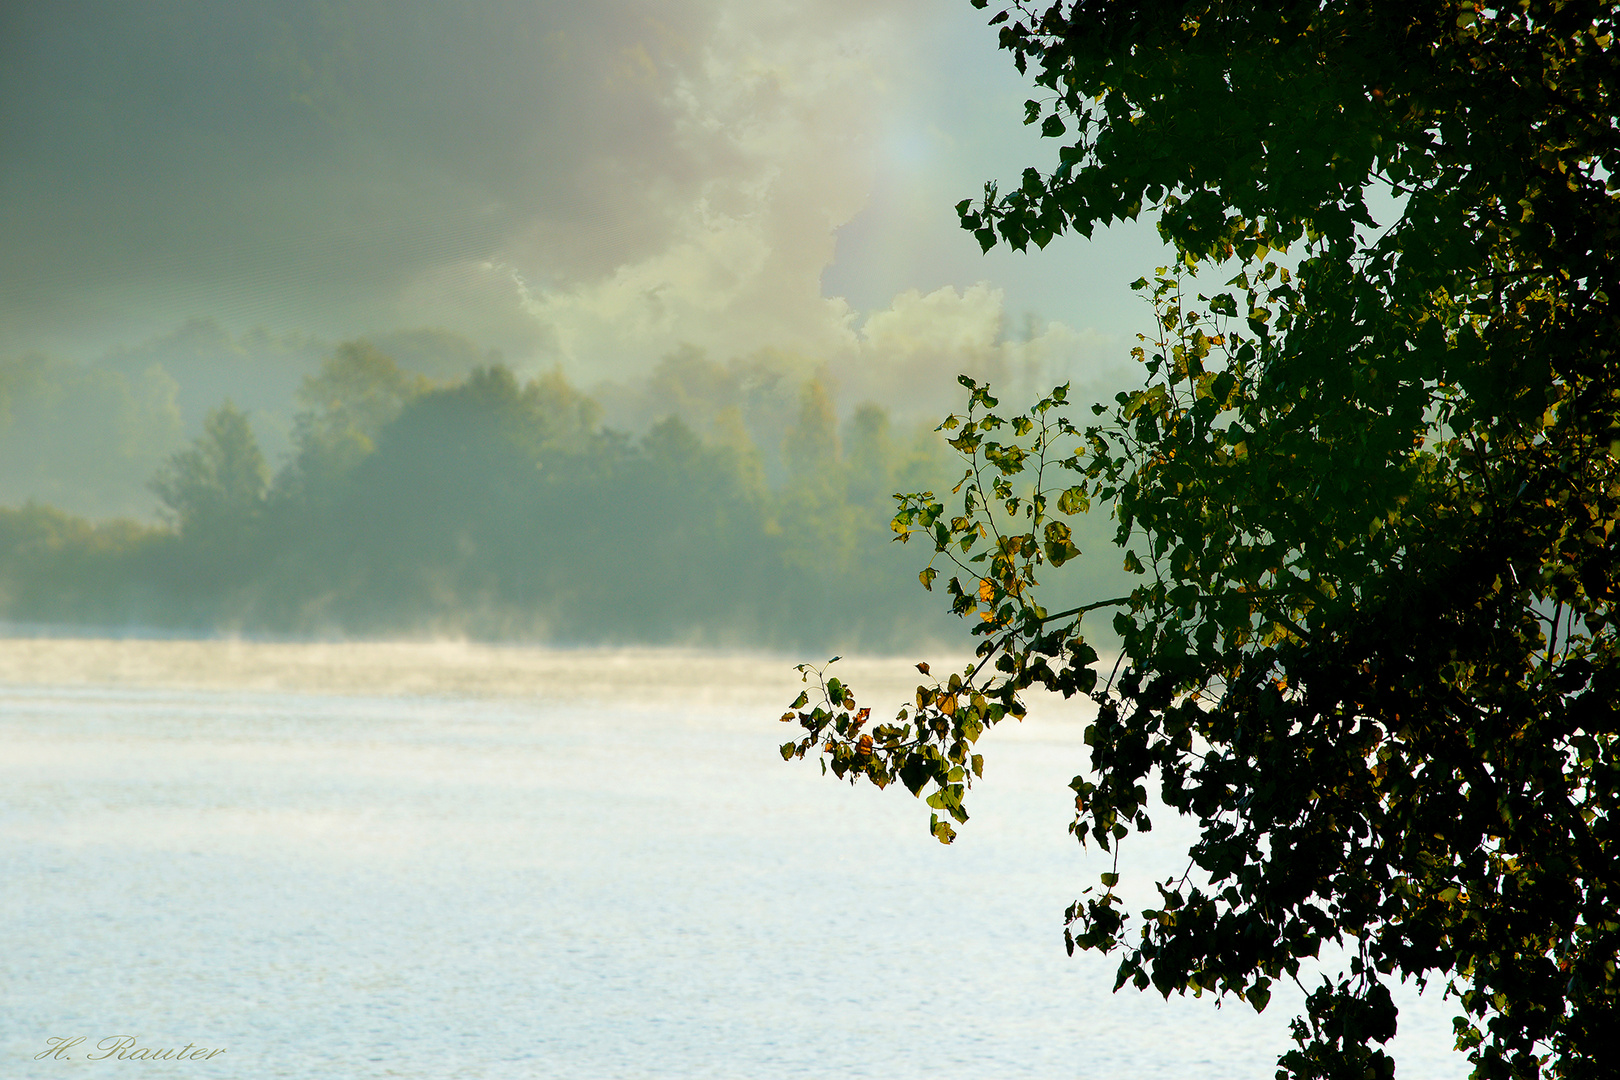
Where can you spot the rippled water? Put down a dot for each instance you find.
(406, 861)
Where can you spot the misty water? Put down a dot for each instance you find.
(450, 861)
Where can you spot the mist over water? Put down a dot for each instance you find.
(452, 860)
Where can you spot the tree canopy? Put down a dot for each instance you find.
(495, 506)
(1369, 489)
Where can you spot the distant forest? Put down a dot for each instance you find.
(483, 506)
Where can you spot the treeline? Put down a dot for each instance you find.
(501, 509)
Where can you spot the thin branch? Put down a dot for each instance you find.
(1083, 608)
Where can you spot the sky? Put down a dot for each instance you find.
(586, 185)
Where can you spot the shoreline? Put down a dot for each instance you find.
(622, 675)
(635, 676)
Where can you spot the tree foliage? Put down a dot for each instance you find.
(498, 507)
(1370, 501)
(218, 481)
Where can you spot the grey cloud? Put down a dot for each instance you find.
(302, 163)
(593, 181)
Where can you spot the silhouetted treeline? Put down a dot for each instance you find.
(497, 508)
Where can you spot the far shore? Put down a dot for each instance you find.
(629, 675)
(636, 676)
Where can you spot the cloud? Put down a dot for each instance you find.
(908, 353)
(781, 109)
(591, 184)
(945, 321)
(652, 164)
(798, 116)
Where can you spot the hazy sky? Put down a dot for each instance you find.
(586, 183)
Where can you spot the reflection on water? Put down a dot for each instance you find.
(434, 861)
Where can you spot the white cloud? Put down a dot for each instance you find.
(945, 321)
(792, 116)
(909, 353)
(782, 112)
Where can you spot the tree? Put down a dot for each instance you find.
(1371, 501)
(215, 487)
(358, 391)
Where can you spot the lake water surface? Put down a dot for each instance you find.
(419, 861)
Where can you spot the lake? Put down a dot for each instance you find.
(456, 861)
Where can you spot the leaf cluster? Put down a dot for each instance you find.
(1370, 502)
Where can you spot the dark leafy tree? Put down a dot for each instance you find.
(358, 391)
(215, 487)
(213, 492)
(1371, 503)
